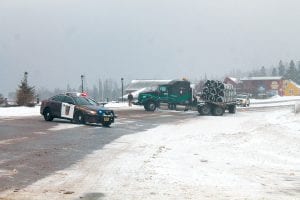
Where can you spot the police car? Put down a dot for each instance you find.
(76, 107)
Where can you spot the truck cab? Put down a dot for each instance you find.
(177, 92)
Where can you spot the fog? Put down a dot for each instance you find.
(58, 40)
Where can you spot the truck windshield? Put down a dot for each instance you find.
(153, 88)
(84, 101)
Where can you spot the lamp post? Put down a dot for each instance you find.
(82, 83)
(122, 80)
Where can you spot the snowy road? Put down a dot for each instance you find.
(249, 155)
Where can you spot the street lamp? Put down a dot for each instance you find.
(122, 80)
(82, 83)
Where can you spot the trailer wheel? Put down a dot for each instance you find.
(204, 110)
(151, 106)
(232, 109)
(218, 111)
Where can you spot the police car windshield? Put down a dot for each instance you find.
(241, 96)
(84, 101)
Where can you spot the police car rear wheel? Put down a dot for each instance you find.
(48, 115)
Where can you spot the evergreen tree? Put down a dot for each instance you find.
(25, 93)
(281, 69)
(274, 72)
(291, 73)
(262, 71)
(95, 93)
(100, 88)
(298, 73)
(1, 99)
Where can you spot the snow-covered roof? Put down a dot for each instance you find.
(298, 86)
(235, 80)
(261, 78)
(136, 93)
(139, 84)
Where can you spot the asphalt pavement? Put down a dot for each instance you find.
(32, 148)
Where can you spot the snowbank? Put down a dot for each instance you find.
(120, 106)
(275, 99)
(19, 111)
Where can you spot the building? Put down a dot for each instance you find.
(137, 86)
(264, 86)
(235, 82)
(291, 88)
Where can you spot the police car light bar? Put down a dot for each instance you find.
(78, 94)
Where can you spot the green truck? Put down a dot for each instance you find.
(176, 92)
(216, 97)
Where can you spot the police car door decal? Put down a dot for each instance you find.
(67, 110)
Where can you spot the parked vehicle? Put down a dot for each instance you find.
(243, 100)
(76, 107)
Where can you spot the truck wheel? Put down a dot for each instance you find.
(204, 110)
(146, 107)
(218, 111)
(151, 106)
(232, 109)
(48, 115)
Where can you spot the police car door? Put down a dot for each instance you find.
(67, 108)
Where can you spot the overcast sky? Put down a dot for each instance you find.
(58, 40)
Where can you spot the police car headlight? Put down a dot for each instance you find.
(91, 112)
(100, 112)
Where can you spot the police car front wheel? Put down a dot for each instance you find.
(79, 118)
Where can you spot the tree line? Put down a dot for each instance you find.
(104, 90)
(26, 95)
(288, 70)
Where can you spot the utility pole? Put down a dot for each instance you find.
(100, 90)
(82, 83)
(122, 80)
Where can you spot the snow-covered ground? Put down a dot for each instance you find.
(21, 111)
(249, 155)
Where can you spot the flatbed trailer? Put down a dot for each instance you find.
(216, 108)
